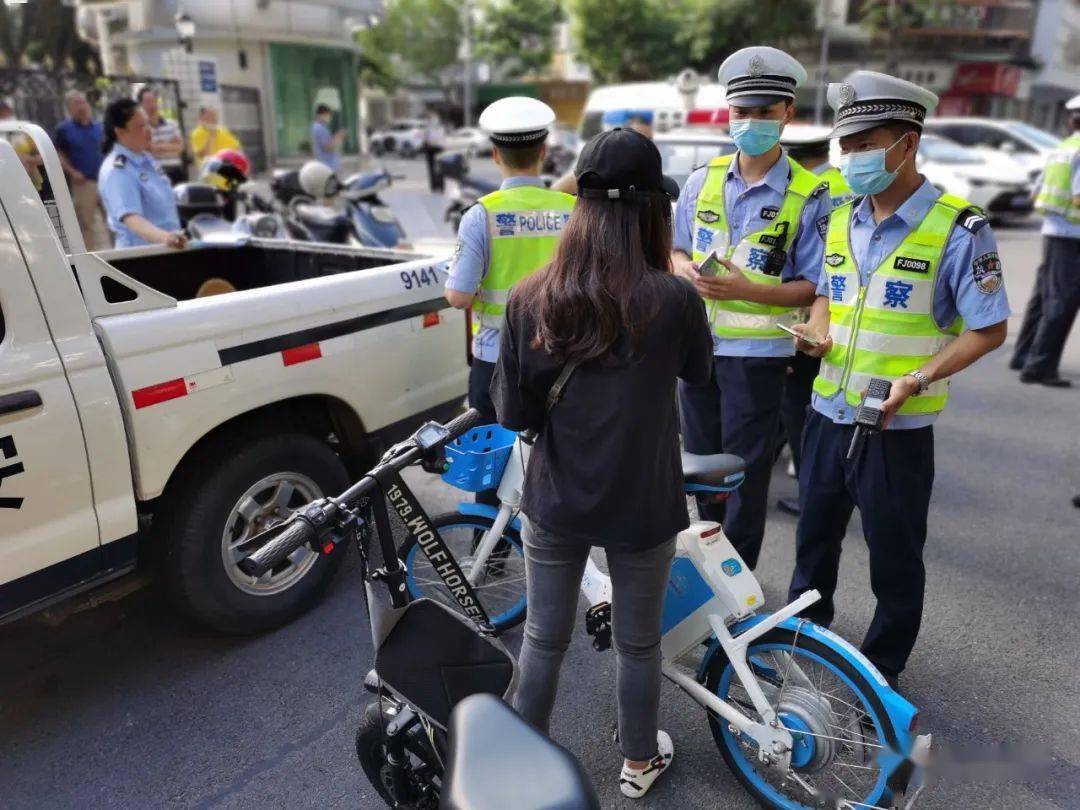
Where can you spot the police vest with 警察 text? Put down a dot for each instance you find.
(524, 226)
(1055, 193)
(760, 255)
(885, 328)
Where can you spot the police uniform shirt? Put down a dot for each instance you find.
(1056, 225)
(969, 283)
(750, 209)
(134, 184)
(472, 256)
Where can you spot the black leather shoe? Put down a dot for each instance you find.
(1076, 501)
(789, 506)
(1016, 365)
(1049, 382)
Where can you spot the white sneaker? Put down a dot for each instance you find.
(635, 783)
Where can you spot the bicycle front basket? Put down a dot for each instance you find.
(477, 458)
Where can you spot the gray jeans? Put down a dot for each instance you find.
(553, 571)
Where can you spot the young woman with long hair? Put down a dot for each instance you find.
(605, 470)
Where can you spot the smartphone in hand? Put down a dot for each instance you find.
(710, 265)
(804, 338)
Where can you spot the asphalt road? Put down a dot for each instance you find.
(126, 706)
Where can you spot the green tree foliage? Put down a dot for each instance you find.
(42, 32)
(518, 36)
(628, 40)
(714, 29)
(418, 39)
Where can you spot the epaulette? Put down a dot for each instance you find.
(120, 161)
(818, 191)
(972, 219)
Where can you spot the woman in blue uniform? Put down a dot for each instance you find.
(134, 189)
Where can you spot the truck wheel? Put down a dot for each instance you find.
(228, 495)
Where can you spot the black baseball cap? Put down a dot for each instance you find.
(621, 164)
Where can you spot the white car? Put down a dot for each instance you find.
(404, 137)
(684, 150)
(142, 417)
(470, 140)
(1027, 145)
(991, 180)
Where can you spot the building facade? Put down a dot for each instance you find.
(271, 61)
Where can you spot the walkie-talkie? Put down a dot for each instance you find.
(869, 416)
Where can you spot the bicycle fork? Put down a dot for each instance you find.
(488, 542)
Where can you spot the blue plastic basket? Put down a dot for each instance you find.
(477, 458)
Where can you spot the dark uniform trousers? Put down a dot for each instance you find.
(480, 374)
(890, 481)
(798, 390)
(738, 412)
(1051, 309)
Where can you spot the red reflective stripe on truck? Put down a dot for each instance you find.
(301, 354)
(162, 392)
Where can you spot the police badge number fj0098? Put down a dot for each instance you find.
(986, 272)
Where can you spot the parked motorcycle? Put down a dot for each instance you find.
(222, 201)
(461, 189)
(364, 220)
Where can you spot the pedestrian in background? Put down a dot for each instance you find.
(211, 136)
(24, 147)
(609, 319)
(168, 144)
(434, 143)
(78, 142)
(760, 211)
(137, 194)
(911, 292)
(325, 143)
(1052, 308)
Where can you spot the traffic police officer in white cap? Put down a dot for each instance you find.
(758, 210)
(506, 236)
(911, 292)
(1055, 300)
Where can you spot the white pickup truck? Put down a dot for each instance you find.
(140, 422)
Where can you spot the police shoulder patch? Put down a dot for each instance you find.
(972, 219)
(986, 273)
(823, 226)
(708, 217)
(120, 161)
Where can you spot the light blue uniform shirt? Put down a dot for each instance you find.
(135, 184)
(744, 206)
(322, 141)
(956, 290)
(470, 263)
(1054, 225)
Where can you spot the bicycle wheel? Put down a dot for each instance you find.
(501, 586)
(838, 723)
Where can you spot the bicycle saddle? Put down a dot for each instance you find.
(719, 470)
(499, 761)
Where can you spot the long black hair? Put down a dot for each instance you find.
(117, 115)
(604, 279)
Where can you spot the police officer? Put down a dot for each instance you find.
(808, 146)
(507, 235)
(759, 210)
(911, 291)
(1056, 298)
(136, 192)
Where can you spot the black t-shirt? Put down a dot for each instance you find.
(605, 469)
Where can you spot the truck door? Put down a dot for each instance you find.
(48, 529)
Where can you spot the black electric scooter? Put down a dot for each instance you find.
(437, 734)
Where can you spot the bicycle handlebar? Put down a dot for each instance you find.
(272, 546)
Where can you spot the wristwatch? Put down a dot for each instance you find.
(921, 379)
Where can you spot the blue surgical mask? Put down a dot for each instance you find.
(755, 136)
(865, 172)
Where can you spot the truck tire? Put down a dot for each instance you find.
(228, 493)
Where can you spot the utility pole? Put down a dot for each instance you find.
(466, 58)
(823, 64)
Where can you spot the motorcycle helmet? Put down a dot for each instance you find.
(318, 180)
(237, 159)
(223, 175)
